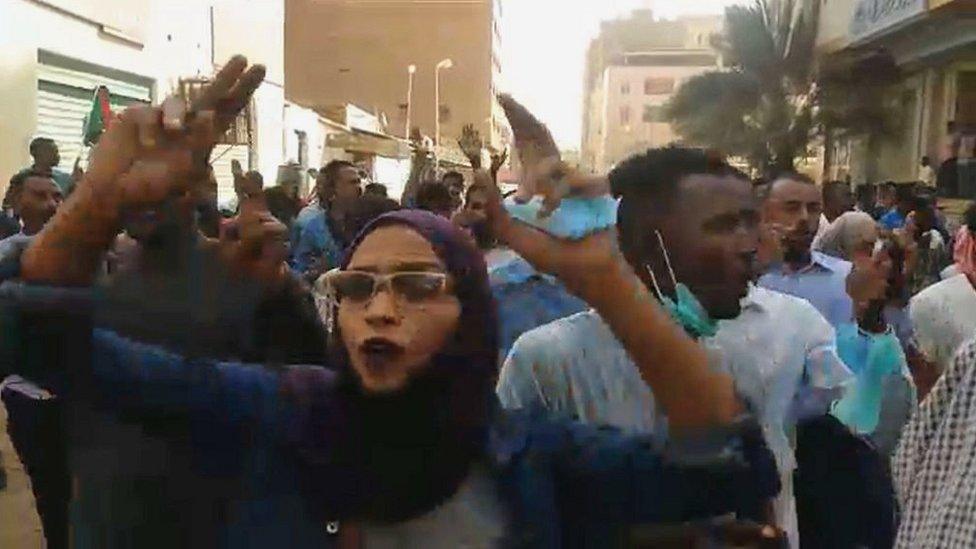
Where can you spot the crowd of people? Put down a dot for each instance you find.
(667, 355)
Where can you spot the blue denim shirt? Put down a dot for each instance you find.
(526, 298)
(315, 241)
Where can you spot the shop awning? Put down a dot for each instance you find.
(360, 141)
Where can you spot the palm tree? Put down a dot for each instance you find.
(761, 106)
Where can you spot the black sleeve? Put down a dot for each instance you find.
(288, 329)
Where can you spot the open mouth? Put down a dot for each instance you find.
(380, 351)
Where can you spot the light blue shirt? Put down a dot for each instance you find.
(823, 283)
(301, 221)
(780, 352)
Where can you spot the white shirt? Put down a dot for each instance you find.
(944, 317)
(778, 351)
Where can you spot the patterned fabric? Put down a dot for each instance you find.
(944, 317)
(823, 283)
(315, 241)
(935, 466)
(307, 214)
(780, 352)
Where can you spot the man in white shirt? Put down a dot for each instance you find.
(775, 346)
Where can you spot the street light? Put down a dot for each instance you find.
(444, 64)
(411, 70)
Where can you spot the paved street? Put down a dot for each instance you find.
(20, 527)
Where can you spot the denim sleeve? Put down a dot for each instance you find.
(310, 245)
(575, 217)
(606, 478)
(148, 379)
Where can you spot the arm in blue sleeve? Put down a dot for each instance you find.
(310, 246)
(612, 479)
(147, 379)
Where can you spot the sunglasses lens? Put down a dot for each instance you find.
(353, 286)
(418, 286)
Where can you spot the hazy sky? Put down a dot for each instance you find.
(544, 47)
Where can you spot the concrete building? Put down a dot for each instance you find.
(933, 42)
(53, 53)
(633, 68)
(360, 51)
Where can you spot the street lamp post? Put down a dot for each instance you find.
(444, 64)
(410, 72)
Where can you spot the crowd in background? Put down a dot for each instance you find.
(839, 323)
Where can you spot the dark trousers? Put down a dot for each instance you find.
(37, 432)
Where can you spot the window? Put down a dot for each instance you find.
(624, 115)
(658, 86)
(625, 88)
(653, 113)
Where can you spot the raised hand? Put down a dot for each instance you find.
(471, 145)
(543, 172)
(498, 160)
(673, 365)
(259, 246)
(147, 155)
(142, 129)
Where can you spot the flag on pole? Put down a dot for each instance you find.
(98, 117)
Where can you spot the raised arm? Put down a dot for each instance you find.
(673, 365)
(133, 164)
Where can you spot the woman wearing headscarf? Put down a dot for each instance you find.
(883, 395)
(401, 440)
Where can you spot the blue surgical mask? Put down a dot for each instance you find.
(871, 357)
(685, 309)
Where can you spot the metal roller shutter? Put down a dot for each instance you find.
(64, 98)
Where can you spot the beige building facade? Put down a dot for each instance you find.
(634, 67)
(933, 43)
(360, 52)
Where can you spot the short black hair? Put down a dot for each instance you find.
(433, 196)
(650, 182)
(923, 203)
(37, 142)
(830, 186)
(457, 176)
(376, 189)
(331, 170)
(17, 184)
(365, 209)
(905, 193)
(969, 218)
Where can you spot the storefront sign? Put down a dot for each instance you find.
(874, 16)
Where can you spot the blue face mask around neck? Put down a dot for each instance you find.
(687, 311)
